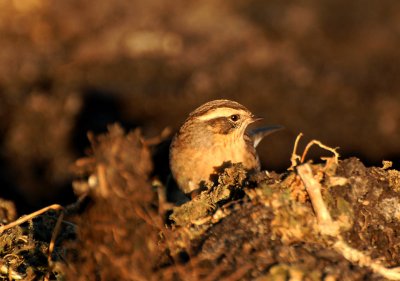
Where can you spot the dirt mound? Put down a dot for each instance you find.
(332, 221)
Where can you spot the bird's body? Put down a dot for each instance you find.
(212, 136)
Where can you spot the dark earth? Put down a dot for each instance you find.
(92, 91)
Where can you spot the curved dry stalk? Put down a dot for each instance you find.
(329, 227)
(54, 235)
(362, 259)
(25, 218)
(320, 144)
(313, 188)
(295, 157)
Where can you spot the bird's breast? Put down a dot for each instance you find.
(233, 152)
(193, 164)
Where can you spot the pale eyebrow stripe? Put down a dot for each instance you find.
(219, 112)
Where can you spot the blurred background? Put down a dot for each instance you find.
(329, 69)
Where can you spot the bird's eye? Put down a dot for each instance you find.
(235, 117)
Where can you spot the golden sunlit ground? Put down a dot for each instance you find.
(326, 68)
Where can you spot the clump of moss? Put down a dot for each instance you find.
(24, 249)
(231, 181)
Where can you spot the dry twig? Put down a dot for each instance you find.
(23, 219)
(54, 235)
(329, 227)
(311, 143)
(313, 187)
(295, 157)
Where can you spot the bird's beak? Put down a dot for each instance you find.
(258, 134)
(255, 119)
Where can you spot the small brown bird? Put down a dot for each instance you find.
(214, 134)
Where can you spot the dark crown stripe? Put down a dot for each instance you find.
(212, 105)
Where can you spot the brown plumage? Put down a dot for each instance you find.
(213, 135)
